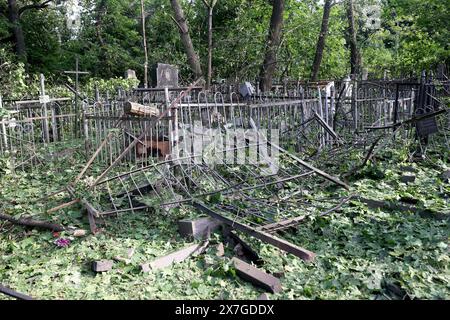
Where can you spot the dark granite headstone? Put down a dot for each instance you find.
(427, 126)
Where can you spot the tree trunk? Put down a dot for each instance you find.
(210, 22)
(273, 40)
(354, 52)
(144, 40)
(19, 39)
(321, 41)
(193, 60)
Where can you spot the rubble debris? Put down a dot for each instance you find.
(256, 276)
(102, 265)
(220, 250)
(79, 233)
(197, 228)
(175, 257)
(263, 296)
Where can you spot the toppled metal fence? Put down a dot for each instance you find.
(248, 159)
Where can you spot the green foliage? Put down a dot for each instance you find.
(110, 85)
(362, 253)
(412, 36)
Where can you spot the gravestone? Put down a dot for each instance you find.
(164, 75)
(130, 74)
(246, 89)
(427, 126)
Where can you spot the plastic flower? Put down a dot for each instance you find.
(61, 242)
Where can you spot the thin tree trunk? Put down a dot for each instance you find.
(321, 41)
(354, 52)
(19, 39)
(273, 40)
(180, 20)
(210, 15)
(144, 40)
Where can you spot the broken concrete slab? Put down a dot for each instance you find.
(175, 257)
(263, 296)
(220, 250)
(197, 228)
(102, 265)
(256, 276)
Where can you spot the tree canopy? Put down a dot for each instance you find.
(402, 36)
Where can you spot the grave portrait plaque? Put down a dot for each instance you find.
(164, 75)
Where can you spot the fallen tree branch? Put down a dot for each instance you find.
(32, 223)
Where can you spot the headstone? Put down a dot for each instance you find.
(130, 74)
(427, 126)
(365, 74)
(246, 89)
(164, 75)
(197, 228)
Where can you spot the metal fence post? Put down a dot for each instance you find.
(5, 137)
(44, 99)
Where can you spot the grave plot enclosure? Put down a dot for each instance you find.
(256, 162)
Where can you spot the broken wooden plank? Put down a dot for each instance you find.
(197, 228)
(64, 205)
(264, 236)
(175, 257)
(140, 110)
(256, 276)
(14, 294)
